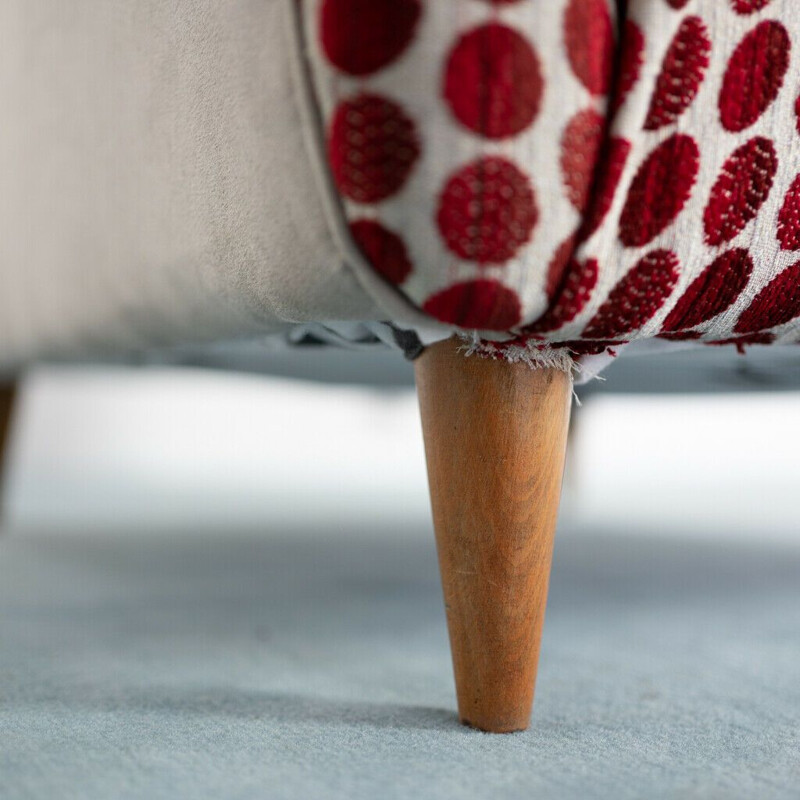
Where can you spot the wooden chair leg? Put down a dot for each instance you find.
(7, 396)
(495, 439)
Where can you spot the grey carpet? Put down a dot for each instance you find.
(282, 667)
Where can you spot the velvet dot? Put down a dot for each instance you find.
(740, 190)
(487, 211)
(637, 298)
(630, 63)
(776, 304)
(660, 190)
(580, 146)
(797, 114)
(589, 39)
(609, 172)
(677, 3)
(493, 81)
(482, 304)
(754, 75)
(372, 148)
(745, 7)
(362, 36)
(383, 249)
(682, 72)
(575, 291)
(558, 264)
(715, 290)
(789, 218)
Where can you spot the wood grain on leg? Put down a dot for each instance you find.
(7, 395)
(495, 439)
(7, 399)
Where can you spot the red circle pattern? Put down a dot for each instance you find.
(681, 74)
(745, 7)
(754, 75)
(715, 290)
(776, 304)
(740, 190)
(493, 81)
(487, 211)
(589, 39)
(571, 296)
(660, 190)
(494, 84)
(360, 37)
(384, 249)
(373, 147)
(482, 304)
(637, 298)
(789, 218)
(558, 264)
(580, 147)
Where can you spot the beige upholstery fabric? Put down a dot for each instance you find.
(155, 184)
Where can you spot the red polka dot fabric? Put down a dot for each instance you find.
(579, 174)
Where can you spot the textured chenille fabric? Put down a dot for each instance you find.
(586, 173)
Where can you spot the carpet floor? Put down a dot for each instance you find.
(284, 666)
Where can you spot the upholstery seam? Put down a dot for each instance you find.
(398, 308)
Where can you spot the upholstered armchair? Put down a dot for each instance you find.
(514, 193)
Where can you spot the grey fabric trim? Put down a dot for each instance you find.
(358, 335)
(409, 342)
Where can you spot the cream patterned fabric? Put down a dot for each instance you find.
(582, 173)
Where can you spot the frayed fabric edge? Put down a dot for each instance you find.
(536, 356)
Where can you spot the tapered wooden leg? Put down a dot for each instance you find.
(7, 398)
(495, 439)
(7, 395)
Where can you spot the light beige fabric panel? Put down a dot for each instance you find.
(155, 185)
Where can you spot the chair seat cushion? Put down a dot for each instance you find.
(576, 173)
